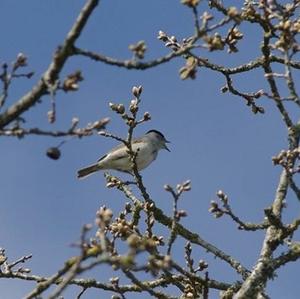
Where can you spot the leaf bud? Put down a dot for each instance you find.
(137, 90)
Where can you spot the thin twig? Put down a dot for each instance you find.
(188, 235)
(51, 75)
(23, 259)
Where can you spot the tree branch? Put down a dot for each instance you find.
(129, 64)
(52, 73)
(186, 234)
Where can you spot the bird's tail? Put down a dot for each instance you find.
(88, 170)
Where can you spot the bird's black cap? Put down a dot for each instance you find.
(157, 132)
(160, 134)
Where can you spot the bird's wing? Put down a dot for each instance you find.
(118, 152)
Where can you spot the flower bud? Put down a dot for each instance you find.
(220, 194)
(21, 60)
(137, 91)
(162, 36)
(120, 108)
(147, 116)
(181, 213)
(167, 187)
(75, 121)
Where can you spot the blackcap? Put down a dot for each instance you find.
(146, 146)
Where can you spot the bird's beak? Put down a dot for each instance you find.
(165, 146)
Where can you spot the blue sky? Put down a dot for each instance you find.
(216, 141)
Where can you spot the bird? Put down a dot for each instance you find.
(146, 146)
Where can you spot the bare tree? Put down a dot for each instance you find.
(279, 25)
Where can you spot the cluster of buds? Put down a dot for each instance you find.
(190, 3)
(94, 248)
(6, 267)
(150, 220)
(71, 81)
(148, 207)
(214, 207)
(286, 39)
(121, 228)
(214, 42)
(234, 14)
(134, 104)
(232, 38)
(189, 292)
(125, 262)
(286, 159)
(180, 188)
(183, 187)
(3, 258)
(168, 188)
(139, 243)
(7, 75)
(156, 263)
(112, 181)
(130, 120)
(170, 41)
(296, 26)
(138, 49)
(103, 217)
(119, 108)
(190, 69)
(249, 97)
(249, 12)
(115, 281)
(99, 124)
(256, 109)
(284, 25)
(134, 241)
(202, 265)
(21, 61)
(223, 197)
(188, 255)
(272, 5)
